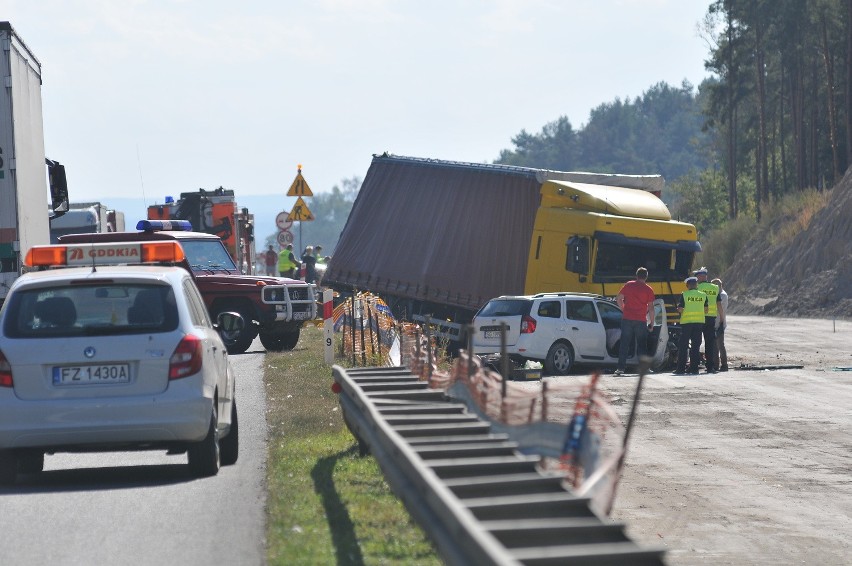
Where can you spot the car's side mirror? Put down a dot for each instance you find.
(577, 259)
(58, 187)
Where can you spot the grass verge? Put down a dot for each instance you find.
(326, 505)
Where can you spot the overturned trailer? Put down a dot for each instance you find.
(441, 238)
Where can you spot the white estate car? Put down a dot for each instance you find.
(560, 330)
(113, 358)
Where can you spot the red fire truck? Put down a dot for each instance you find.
(214, 212)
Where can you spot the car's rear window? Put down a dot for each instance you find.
(505, 307)
(91, 310)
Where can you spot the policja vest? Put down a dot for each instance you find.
(284, 263)
(693, 306)
(712, 292)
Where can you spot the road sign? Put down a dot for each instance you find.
(285, 237)
(300, 212)
(282, 222)
(300, 187)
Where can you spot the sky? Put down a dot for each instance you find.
(148, 98)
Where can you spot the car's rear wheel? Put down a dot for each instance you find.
(8, 467)
(279, 341)
(560, 359)
(31, 462)
(229, 447)
(238, 341)
(204, 457)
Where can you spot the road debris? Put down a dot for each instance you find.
(755, 367)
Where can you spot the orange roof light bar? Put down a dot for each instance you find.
(162, 252)
(81, 255)
(46, 256)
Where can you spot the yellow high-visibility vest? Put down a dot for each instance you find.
(712, 292)
(284, 263)
(693, 306)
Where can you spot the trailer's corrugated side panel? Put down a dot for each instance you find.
(444, 232)
(24, 220)
(8, 206)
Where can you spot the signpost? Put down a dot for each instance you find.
(328, 325)
(300, 211)
(282, 222)
(300, 187)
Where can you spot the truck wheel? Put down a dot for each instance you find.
(238, 342)
(559, 359)
(279, 341)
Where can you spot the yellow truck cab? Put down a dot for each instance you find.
(590, 238)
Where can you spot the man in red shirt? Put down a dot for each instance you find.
(636, 300)
(271, 260)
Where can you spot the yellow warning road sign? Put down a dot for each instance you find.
(300, 212)
(300, 187)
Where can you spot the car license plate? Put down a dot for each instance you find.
(491, 334)
(300, 315)
(77, 375)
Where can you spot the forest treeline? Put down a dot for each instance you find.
(772, 119)
(771, 122)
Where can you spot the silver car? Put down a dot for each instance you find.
(110, 359)
(561, 330)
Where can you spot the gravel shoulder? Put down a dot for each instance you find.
(746, 467)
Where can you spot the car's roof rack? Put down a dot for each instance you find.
(568, 294)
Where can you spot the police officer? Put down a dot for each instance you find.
(714, 302)
(692, 306)
(287, 262)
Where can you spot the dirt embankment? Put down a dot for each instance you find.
(808, 274)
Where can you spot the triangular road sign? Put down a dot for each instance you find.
(300, 187)
(300, 212)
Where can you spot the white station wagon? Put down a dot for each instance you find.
(561, 330)
(113, 358)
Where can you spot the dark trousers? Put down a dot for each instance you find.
(690, 339)
(720, 347)
(632, 330)
(710, 353)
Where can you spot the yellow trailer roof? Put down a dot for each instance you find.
(603, 198)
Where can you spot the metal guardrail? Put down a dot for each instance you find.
(478, 499)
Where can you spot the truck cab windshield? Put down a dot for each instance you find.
(207, 255)
(618, 262)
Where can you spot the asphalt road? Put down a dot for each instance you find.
(746, 467)
(143, 508)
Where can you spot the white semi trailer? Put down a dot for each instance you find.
(86, 218)
(23, 181)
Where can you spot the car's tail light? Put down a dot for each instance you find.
(527, 324)
(186, 359)
(5, 372)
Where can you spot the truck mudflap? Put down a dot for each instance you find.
(292, 302)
